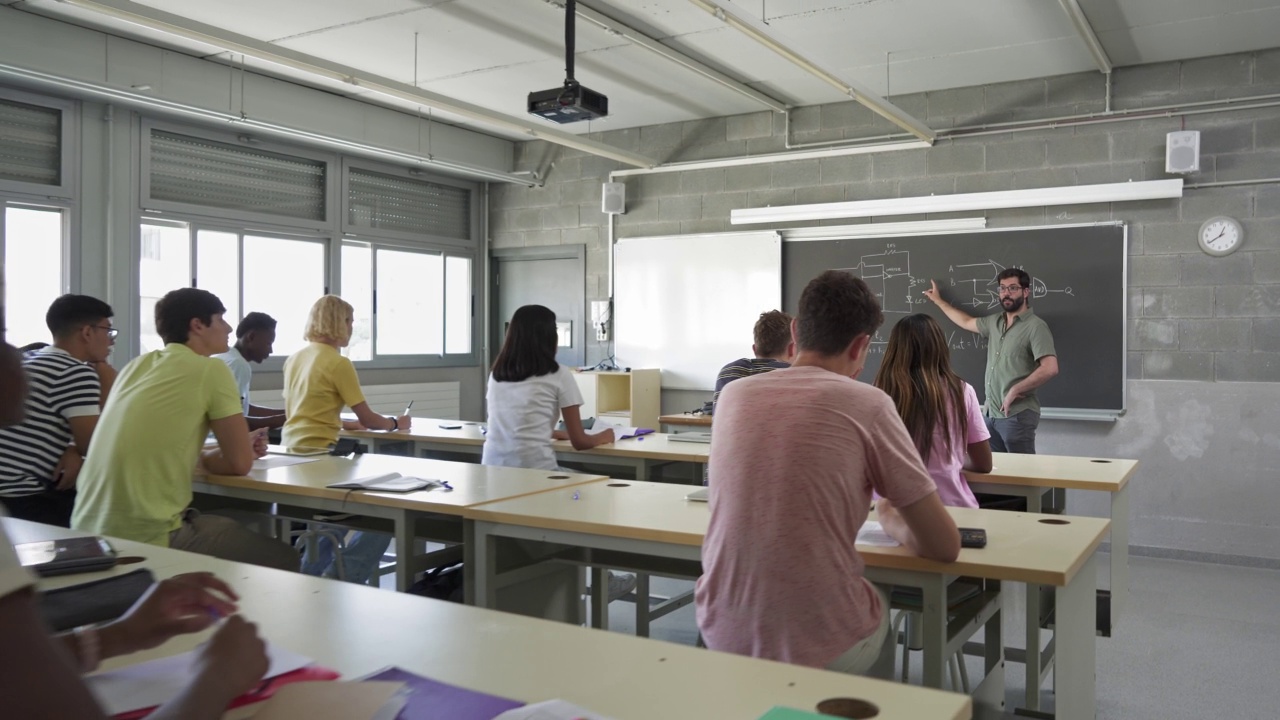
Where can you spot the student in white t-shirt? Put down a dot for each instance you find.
(528, 391)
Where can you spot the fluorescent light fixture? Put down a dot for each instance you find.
(1037, 197)
(917, 227)
(775, 158)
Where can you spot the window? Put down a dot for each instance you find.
(30, 143)
(407, 301)
(249, 272)
(31, 240)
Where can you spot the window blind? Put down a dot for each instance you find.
(30, 143)
(386, 202)
(201, 172)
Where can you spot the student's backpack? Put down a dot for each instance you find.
(442, 583)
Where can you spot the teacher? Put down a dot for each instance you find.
(1020, 358)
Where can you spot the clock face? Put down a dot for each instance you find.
(1220, 235)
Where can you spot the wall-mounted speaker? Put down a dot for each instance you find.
(1182, 152)
(613, 199)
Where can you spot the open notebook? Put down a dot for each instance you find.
(389, 482)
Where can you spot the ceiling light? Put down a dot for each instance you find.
(1037, 197)
(917, 227)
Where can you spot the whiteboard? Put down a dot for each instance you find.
(688, 304)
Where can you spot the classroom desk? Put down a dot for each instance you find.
(1029, 476)
(304, 485)
(685, 419)
(639, 455)
(651, 520)
(522, 658)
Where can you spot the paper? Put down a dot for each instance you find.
(296, 451)
(335, 701)
(550, 710)
(387, 482)
(158, 681)
(873, 534)
(275, 461)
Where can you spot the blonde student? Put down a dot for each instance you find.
(318, 383)
(941, 411)
(528, 390)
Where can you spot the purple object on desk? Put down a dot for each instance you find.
(431, 699)
(637, 434)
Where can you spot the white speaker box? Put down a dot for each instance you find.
(613, 200)
(1182, 152)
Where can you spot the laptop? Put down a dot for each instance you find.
(693, 437)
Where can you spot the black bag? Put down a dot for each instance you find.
(442, 583)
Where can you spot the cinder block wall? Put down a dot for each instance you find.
(1209, 465)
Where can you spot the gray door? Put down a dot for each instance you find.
(527, 276)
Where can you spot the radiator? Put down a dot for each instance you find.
(434, 400)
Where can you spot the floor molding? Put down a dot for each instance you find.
(1198, 556)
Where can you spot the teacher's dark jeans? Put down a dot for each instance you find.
(1014, 434)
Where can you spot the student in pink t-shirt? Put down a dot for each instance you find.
(795, 457)
(940, 410)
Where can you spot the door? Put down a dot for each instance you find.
(554, 277)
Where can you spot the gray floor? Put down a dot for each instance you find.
(1197, 641)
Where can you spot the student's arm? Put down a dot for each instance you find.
(373, 421)
(106, 378)
(923, 526)
(258, 421)
(234, 454)
(82, 428)
(1046, 371)
(577, 435)
(39, 678)
(979, 457)
(955, 314)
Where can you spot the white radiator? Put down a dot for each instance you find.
(434, 400)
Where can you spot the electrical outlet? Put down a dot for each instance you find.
(600, 316)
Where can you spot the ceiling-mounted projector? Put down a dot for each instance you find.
(570, 102)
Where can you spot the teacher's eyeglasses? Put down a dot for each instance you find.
(1010, 289)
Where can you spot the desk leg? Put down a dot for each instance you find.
(642, 604)
(934, 612)
(404, 550)
(1075, 662)
(1119, 560)
(642, 470)
(600, 598)
(1033, 656)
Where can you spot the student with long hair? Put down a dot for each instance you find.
(941, 411)
(528, 390)
(318, 383)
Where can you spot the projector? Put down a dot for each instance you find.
(569, 103)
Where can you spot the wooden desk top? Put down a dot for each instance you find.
(357, 630)
(1058, 471)
(473, 484)
(1021, 547)
(686, 419)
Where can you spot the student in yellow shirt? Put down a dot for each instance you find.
(136, 480)
(318, 383)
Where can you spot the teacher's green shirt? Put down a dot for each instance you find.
(1013, 352)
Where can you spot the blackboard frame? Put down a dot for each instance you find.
(1048, 249)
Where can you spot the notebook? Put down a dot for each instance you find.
(693, 437)
(66, 556)
(387, 482)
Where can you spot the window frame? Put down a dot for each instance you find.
(68, 146)
(150, 205)
(69, 264)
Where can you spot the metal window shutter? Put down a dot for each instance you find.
(30, 143)
(200, 172)
(412, 206)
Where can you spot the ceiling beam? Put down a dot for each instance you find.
(651, 44)
(179, 26)
(863, 95)
(1085, 30)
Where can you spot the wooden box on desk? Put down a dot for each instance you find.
(627, 398)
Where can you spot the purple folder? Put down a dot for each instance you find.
(430, 700)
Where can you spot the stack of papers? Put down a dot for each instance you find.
(387, 482)
(873, 534)
(275, 461)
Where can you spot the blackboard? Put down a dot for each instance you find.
(1078, 287)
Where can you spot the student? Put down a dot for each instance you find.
(940, 410)
(528, 391)
(38, 677)
(136, 480)
(318, 383)
(782, 579)
(255, 336)
(772, 350)
(40, 457)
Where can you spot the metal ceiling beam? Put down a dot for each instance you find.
(179, 26)
(1087, 34)
(651, 44)
(863, 95)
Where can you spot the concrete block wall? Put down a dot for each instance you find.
(1196, 322)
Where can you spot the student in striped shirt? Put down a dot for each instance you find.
(40, 457)
(772, 350)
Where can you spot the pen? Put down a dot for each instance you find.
(408, 407)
